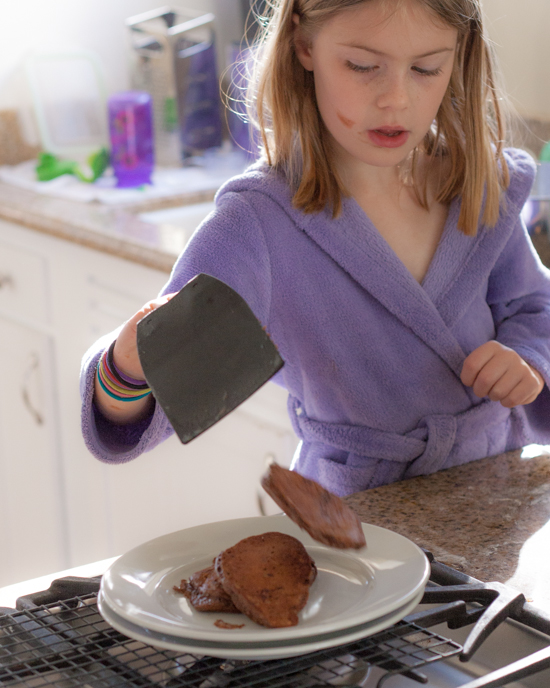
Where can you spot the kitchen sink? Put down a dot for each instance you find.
(185, 218)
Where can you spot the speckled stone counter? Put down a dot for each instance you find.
(488, 518)
(117, 231)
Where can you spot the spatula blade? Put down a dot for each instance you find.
(203, 353)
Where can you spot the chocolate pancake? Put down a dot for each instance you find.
(319, 512)
(267, 577)
(205, 592)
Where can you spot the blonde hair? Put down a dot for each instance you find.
(468, 134)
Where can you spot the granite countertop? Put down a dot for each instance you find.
(115, 230)
(489, 518)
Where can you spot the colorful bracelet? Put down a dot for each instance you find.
(115, 383)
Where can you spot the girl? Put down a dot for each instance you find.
(379, 241)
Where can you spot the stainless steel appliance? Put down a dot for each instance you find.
(174, 60)
(57, 638)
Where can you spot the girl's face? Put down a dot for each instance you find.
(380, 77)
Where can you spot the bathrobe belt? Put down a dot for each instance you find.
(426, 448)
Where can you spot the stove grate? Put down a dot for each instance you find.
(68, 644)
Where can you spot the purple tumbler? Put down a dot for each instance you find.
(131, 134)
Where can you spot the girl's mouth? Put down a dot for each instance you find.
(388, 137)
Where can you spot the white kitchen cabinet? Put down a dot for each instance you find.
(103, 510)
(32, 524)
(32, 533)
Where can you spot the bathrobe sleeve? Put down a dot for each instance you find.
(519, 293)
(229, 245)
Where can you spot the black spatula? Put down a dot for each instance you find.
(203, 353)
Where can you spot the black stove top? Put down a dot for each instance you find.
(58, 638)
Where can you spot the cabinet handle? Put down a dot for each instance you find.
(261, 504)
(33, 366)
(6, 281)
(260, 497)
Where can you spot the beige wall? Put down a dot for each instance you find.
(93, 25)
(520, 30)
(58, 25)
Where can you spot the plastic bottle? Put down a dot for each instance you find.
(131, 135)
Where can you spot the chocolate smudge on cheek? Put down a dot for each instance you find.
(345, 121)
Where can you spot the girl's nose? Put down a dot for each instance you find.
(393, 93)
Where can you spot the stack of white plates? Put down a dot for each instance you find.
(356, 593)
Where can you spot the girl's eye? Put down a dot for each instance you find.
(359, 68)
(427, 72)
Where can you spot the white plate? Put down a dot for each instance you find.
(276, 650)
(353, 587)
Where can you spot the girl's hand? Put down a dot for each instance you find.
(127, 361)
(497, 372)
(125, 353)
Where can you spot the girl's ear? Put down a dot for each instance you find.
(301, 45)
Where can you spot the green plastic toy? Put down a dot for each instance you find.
(50, 166)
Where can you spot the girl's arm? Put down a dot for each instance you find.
(126, 360)
(515, 368)
(229, 245)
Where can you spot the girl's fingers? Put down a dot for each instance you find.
(539, 380)
(149, 307)
(494, 376)
(515, 385)
(495, 371)
(476, 361)
(505, 384)
(535, 387)
(523, 393)
(125, 353)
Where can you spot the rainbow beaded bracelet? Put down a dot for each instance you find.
(115, 383)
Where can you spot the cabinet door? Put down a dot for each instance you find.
(94, 293)
(32, 528)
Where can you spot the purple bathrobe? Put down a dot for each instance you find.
(372, 357)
